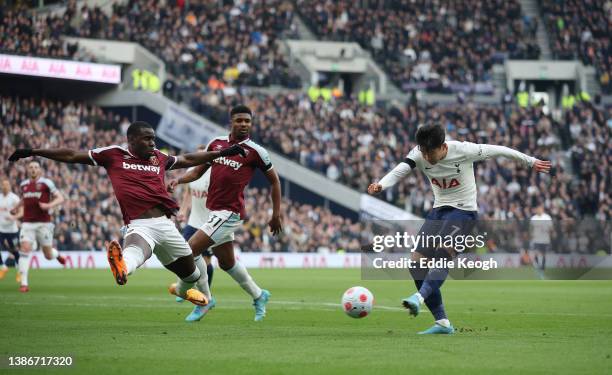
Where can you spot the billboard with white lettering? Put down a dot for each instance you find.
(62, 69)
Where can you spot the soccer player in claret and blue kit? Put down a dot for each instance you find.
(225, 202)
(137, 174)
(449, 166)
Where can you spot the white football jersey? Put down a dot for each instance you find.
(541, 225)
(199, 193)
(7, 203)
(452, 178)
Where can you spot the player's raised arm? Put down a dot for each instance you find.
(276, 222)
(204, 157)
(392, 178)
(486, 151)
(64, 155)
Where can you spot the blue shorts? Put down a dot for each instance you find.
(9, 241)
(189, 231)
(446, 222)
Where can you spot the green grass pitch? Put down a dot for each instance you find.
(504, 327)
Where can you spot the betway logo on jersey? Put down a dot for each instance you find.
(230, 163)
(138, 167)
(443, 184)
(32, 194)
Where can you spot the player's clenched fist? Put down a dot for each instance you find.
(233, 150)
(374, 189)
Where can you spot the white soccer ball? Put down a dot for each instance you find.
(357, 302)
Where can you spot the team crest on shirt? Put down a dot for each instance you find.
(218, 147)
(38, 186)
(154, 160)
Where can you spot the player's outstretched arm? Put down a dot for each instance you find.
(64, 155)
(190, 176)
(204, 157)
(390, 179)
(276, 222)
(487, 151)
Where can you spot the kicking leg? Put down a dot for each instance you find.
(124, 262)
(188, 275)
(238, 272)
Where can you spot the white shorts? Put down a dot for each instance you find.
(37, 233)
(162, 236)
(221, 226)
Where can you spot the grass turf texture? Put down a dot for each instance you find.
(543, 327)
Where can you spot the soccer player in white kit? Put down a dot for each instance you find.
(541, 228)
(449, 166)
(9, 232)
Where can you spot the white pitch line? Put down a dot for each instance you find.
(235, 304)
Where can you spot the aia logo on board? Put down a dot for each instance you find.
(154, 160)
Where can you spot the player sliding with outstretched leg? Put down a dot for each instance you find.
(228, 178)
(137, 174)
(449, 166)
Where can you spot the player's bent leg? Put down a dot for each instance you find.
(413, 303)
(188, 274)
(199, 242)
(52, 253)
(228, 263)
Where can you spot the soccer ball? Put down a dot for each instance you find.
(357, 302)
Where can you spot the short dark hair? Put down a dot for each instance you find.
(430, 137)
(136, 127)
(241, 108)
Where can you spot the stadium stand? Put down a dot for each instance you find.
(91, 215)
(441, 43)
(348, 142)
(581, 30)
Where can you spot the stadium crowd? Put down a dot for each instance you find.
(445, 45)
(356, 144)
(215, 44)
(581, 30)
(90, 216)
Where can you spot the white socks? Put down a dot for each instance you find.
(202, 283)
(420, 297)
(134, 257)
(242, 277)
(24, 266)
(443, 322)
(54, 253)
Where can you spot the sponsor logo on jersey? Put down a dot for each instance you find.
(139, 167)
(230, 163)
(32, 194)
(444, 184)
